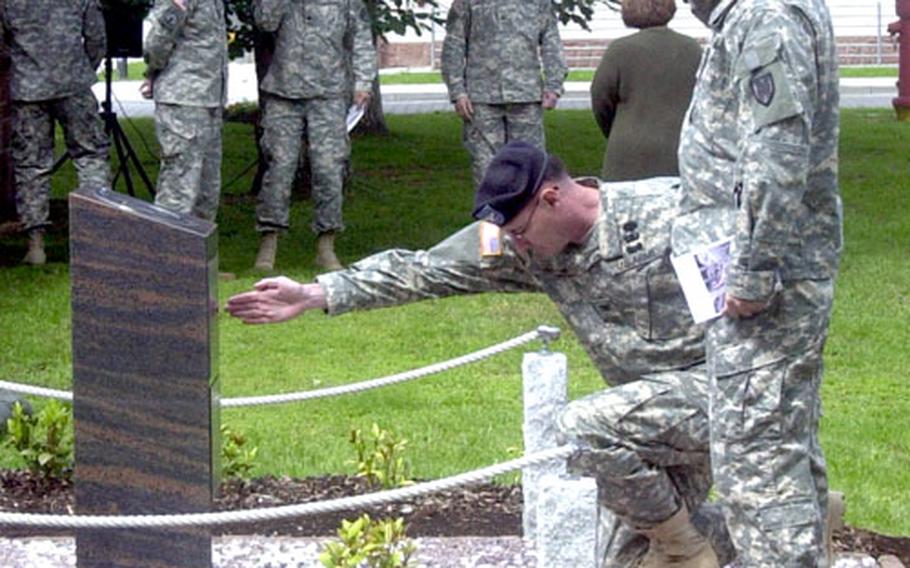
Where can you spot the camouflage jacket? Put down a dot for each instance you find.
(617, 290)
(493, 51)
(761, 137)
(319, 44)
(55, 46)
(186, 52)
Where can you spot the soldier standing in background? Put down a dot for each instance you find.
(600, 251)
(492, 58)
(186, 53)
(760, 140)
(55, 48)
(305, 94)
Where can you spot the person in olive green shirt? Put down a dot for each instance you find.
(641, 90)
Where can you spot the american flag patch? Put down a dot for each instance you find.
(490, 239)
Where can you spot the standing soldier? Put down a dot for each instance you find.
(305, 93)
(186, 53)
(491, 62)
(55, 48)
(760, 139)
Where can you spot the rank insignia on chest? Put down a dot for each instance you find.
(631, 237)
(763, 88)
(490, 239)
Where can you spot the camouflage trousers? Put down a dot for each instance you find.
(190, 177)
(285, 123)
(646, 444)
(770, 475)
(493, 126)
(33, 150)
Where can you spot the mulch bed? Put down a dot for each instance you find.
(479, 510)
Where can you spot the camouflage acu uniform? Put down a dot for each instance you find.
(54, 48)
(186, 52)
(646, 437)
(760, 138)
(305, 94)
(492, 54)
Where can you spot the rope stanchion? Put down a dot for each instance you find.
(545, 333)
(287, 511)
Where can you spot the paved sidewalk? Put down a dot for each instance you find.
(274, 552)
(414, 99)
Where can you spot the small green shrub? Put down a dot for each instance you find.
(370, 544)
(43, 440)
(379, 457)
(236, 458)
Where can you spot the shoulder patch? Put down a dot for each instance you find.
(490, 239)
(762, 86)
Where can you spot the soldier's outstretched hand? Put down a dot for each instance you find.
(275, 300)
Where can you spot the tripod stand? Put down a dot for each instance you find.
(125, 153)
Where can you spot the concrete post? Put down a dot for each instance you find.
(567, 521)
(545, 380)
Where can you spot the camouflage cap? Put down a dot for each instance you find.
(511, 180)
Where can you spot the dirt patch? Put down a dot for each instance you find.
(481, 510)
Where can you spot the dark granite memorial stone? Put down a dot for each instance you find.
(145, 376)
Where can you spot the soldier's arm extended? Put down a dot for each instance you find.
(167, 21)
(551, 52)
(778, 73)
(395, 277)
(268, 14)
(454, 51)
(94, 37)
(363, 58)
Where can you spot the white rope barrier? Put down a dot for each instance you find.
(389, 380)
(546, 333)
(37, 391)
(286, 511)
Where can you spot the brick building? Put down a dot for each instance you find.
(860, 26)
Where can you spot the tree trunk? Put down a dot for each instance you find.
(373, 121)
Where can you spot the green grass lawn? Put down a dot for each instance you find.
(412, 188)
(135, 71)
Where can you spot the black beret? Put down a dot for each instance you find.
(510, 182)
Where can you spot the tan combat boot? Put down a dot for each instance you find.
(325, 252)
(676, 544)
(35, 254)
(268, 246)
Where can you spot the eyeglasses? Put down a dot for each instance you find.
(519, 234)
